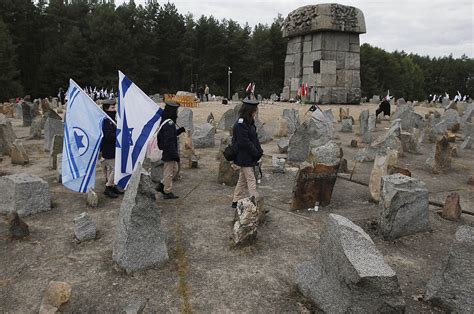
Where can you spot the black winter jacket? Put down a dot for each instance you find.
(108, 142)
(168, 141)
(245, 140)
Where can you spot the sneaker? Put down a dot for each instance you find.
(234, 204)
(109, 192)
(169, 196)
(160, 188)
(117, 190)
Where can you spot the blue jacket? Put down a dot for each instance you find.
(245, 140)
(168, 142)
(108, 142)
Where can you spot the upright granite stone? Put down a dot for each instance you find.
(285, 93)
(292, 117)
(278, 165)
(315, 132)
(203, 136)
(52, 127)
(7, 136)
(389, 140)
(365, 132)
(451, 287)
(440, 158)
(346, 126)
(323, 51)
(329, 116)
(56, 148)
(452, 207)
(185, 118)
(59, 168)
(283, 144)
(404, 206)
(229, 118)
(409, 118)
(85, 228)
(139, 242)
(36, 129)
(244, 231)
(27, 113)
(24, 193)
(18, 153)
(380, 169)
(348, 274)
(452, 119)
(410, 142)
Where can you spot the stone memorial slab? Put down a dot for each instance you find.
(203, 136)
(185, 118)
(85, 228)
(56, 148)
(18, 153)
(7, 136)
(52, 127)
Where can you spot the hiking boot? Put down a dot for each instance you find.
(234, 204)
(109, 192)
(117, 190)
(161, 188)
(169, 196)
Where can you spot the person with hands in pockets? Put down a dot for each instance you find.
(249, 151)
(168, 143)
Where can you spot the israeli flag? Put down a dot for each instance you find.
(138, 118)
(82, 138)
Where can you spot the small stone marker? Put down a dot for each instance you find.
(17, 227)
(52, 127)
(283, 144)
(348, 274)
(36, 129)
(7, 136)
(18, 153)
(452, 208)
(140, 242)
(24, 193)
(27, 114)
(92, 198)
(380, 169)
(55, 295)
(244, 230)
(56, 148)
(346, 126)
(451, 287)
(59, 167)
(365, 132)
(404, 209)
(84, 227)
(278, 165)
(441, 155)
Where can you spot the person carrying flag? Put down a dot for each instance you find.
(108, 149)
(168, 143)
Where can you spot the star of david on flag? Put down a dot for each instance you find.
(138, 118)
(82, 138)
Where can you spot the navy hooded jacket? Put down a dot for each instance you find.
(245, 140)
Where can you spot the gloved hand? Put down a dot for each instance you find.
(181, 130)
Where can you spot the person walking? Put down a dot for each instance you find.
(108, 149)
(168, 143)
(206, 92)
(249, 150)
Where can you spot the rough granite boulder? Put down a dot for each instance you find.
(52, 127)
(441, 156)
(24, 193)
(409, 118)
(36, 129)
(292, 117)
(389, 140)
(349, 274)
(315, 132)
(84, 227)
(140, 242)
(7, 136)
(364, 130)
(380, 169)
(18, 153)
(404, 206)
(229, 118)
(346, 126)
(56, 148)
(203, 136)
(451, 287)
(185, 118)
(283, 145)
(452, 118)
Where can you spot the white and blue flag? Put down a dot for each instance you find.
(138, 118)
(82, 139)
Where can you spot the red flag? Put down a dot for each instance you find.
(303, 90)
(249, 88)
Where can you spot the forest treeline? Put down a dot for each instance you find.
(43, 45)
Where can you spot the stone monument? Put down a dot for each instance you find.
(324, 52)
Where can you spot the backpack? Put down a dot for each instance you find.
(230, 152)
(153, 152)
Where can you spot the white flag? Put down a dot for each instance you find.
(82, 139)
(138, 117)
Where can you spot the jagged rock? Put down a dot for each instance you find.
(55, 149)
(203, 136)
(365, 133)
(441, 155)
(292, 117)
(349, 274)
(371, 121)
(329, 154)
(346, 126)
(139, 242)
(278, 165)
(26, 113)
(315, 132)
(17, 227)
(410, 142)
(283, 145)
(452, 208)
(389, 140)
(24, 193)
(409, 118)
(7, 136)
(329, 116)
(244, 230)
(18, 153)
(229, 118)
(36, 129)
(185, 118)
(451, 287)
(468, 114)
(52, 127)
(92, 198)
(84, 227)
(404, 209)
(452, 118)
(227, 175)
(55, 295)
(264, 136)
(380, 169)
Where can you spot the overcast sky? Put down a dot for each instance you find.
(427, 27)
